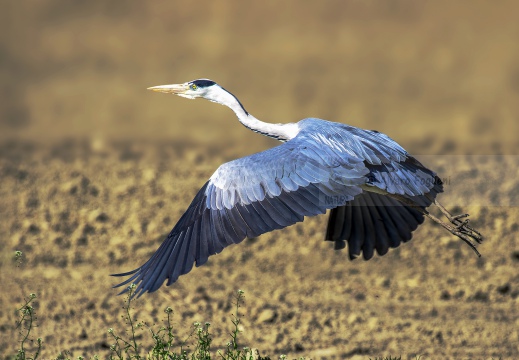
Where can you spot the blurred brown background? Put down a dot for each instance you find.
(421, 71)
(95, 169)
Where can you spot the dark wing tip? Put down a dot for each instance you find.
(126, 273)
(135, 273)
(372, 222)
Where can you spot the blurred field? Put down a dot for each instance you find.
(95, 170)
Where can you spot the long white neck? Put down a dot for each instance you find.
(281, 132)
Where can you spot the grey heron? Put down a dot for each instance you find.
(378, 194)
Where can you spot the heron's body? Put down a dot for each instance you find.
(377, 192)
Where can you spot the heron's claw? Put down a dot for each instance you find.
(462, 227)
(467, 239)
(465, 232)
(457, 217)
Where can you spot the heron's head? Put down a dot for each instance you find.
(204, 88)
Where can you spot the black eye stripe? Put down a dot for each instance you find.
(203, 83)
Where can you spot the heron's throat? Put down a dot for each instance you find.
(281, 132)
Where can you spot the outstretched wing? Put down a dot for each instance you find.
(249, 197)
(372, 220)
(321, 168)
(391, 168)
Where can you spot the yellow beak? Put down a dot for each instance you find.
(177, 89)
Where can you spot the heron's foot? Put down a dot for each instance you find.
(466, 233)
(468, 240)
(461, 226)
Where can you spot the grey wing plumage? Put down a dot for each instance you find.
(251, 196)
(374, 221)
(326, 166)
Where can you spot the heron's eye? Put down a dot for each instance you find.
(193, 87)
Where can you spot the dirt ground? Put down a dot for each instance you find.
(95, 171)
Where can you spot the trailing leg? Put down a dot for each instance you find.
(459, 226)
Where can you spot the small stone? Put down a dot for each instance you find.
(267, 316)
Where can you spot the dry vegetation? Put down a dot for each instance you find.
(95, 171)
